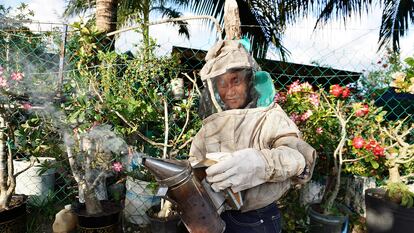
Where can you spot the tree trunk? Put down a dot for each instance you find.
(92, 204)
(394, 174)
(106, 11)
(4, 197)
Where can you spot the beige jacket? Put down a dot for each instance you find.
(267, 129)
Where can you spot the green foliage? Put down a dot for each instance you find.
(128, 93)
(400, 194)
(403, 81)
(294, 214)
(41, 212)
(376, 81)
(37, 137)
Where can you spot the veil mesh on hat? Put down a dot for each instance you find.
(225, 56)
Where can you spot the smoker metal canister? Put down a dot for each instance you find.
(195, 207)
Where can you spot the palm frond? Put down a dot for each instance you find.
(396, 18)
(129, 10)
(172, 13)
(76, 7)
(260, 21)
(341, 9)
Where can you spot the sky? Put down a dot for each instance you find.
(351, 48)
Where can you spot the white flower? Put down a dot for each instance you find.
(411, 89)
(398, 77)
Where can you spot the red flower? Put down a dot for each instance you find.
(362, 111)
(346, 92)
(336, 90)
(378, 150)
(365, 109)
(371, 144)
(358, 142)
(359, 113)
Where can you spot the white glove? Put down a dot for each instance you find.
(242, 170)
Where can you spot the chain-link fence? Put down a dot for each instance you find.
(71, 78)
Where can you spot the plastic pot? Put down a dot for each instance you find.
(13, 220)
(106, 222)
(384, 216)
(320, 223)
(163, 225)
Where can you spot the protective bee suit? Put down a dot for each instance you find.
(258, 148)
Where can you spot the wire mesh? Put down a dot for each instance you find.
(92, 82)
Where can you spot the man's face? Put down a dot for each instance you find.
(232, 88)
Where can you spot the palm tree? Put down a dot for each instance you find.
(396, 15)
(106, 15)
(110, 13)
(272, 16)
(262, 21)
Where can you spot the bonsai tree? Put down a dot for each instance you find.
(356, 120)
(91, 157)
(333, 123)
(399, 154)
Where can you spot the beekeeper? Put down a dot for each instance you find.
(258, 149)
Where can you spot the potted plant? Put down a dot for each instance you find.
(36, 137)
(140, 190)
(390, 208)
(92, 155)
(398, 99)
(330, 122)
(12, 101)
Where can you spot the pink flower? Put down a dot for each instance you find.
(294, 87)
(27, 106)
(306, 115)
(319, 130)
(314, 99)
(346, 92)
(3, 82)
(295, 117)
(279, 98)
(17, 76)
(305, 86)
(335, 90)
(358, 142)
(1, 70)
(117, 166)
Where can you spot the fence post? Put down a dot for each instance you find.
(62, 59)
(7, 48)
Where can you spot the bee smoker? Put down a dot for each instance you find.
(198, 213)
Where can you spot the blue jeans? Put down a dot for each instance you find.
(263, 220)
